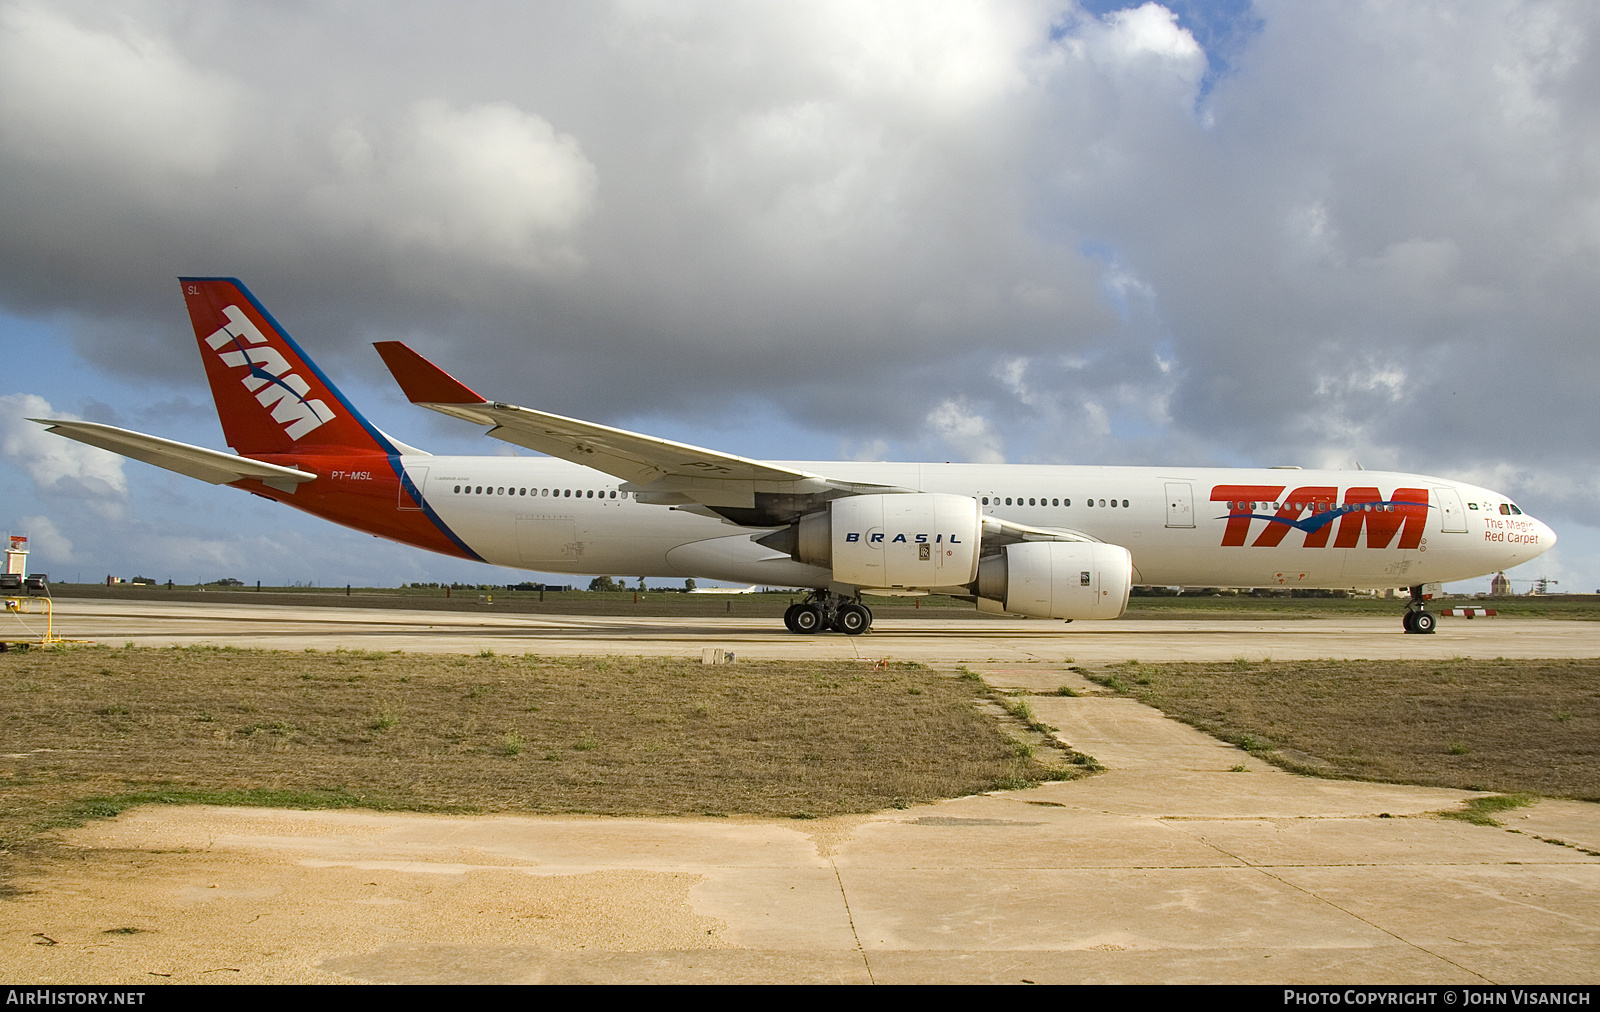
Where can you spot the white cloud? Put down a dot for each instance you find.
(967, 433)
(46, 544)
(59, 466)
(1144, 44)
(1150, 29)
(1385, 380)
(868, 450)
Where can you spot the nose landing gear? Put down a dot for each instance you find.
(1418, 619)
(825, 610)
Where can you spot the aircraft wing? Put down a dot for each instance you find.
(660, 471)
(213, 466)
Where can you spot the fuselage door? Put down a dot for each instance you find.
(1452, 518)
(412, 482)
(1180, 504)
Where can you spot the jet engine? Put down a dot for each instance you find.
(1057, 579)
(916, 540)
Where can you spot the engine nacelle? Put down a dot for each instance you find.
(920, 539)
(1058, 579)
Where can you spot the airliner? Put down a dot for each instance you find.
(1048, 541)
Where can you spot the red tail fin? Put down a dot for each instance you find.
(270, 396)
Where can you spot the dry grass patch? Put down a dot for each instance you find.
(88, 730)
(1491, 725)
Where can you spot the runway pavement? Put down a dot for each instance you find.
(1186, 861)
(959, 639)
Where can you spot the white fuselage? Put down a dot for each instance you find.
(1183, 526)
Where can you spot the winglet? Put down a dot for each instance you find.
(421, 380)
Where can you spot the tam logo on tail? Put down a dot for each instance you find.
(277, 388)
(252, 363)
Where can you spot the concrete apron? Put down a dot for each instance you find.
(1169, 867)
(955, 638)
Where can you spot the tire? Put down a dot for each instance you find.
(1409, 621)
(788, 617)
(1424, 622)
(853, 620)
(807, 619)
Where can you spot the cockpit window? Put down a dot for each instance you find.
(1515, 510)
(1505, 510)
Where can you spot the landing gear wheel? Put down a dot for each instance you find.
(853, 619)
(1417, 618)
(788, 618)
(807, 619)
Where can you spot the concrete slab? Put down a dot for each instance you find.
(1005, 832)
(1132, 909)
(1565, 823)
(1403, 842)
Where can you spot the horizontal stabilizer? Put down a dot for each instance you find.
(213, 466)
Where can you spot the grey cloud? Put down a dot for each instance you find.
(1369, 230)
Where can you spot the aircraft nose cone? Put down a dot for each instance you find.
(1547, 536)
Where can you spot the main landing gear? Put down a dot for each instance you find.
(825, 610)
(1418, 619)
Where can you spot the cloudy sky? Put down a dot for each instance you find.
(1207, 233)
